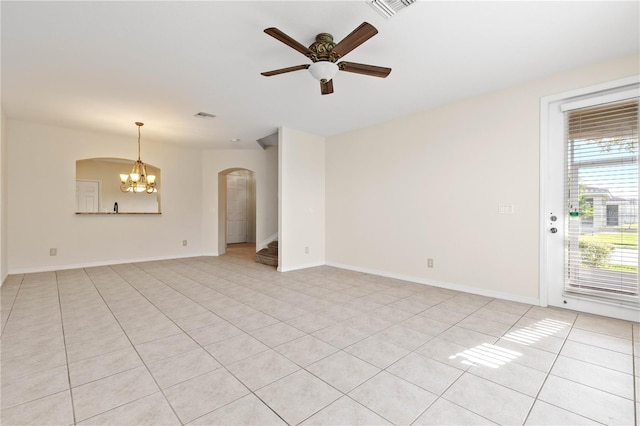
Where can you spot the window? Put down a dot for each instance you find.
(601, 195)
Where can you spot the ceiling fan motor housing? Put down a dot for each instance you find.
(322, 48)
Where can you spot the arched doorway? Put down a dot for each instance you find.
(236, 207)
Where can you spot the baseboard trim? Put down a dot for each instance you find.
(298, 267)
(441, 284)
(53, 268)
(387, 274)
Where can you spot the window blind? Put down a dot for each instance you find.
(601, 196)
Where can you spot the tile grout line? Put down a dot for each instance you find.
(596, 364)
(238, 379)
(133, 347)
(450, 402)
(222, 366)
(226, 295)
(13, 304)
(536, 399)
(66, 355)
(466, 370)
(398, 360)
(409, 353)
(415, 351)
(590, 386)
(22, 376)
(249, 333)
(265, 294)
(301, 368)
(168, 285)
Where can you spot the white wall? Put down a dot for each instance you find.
(41, 201)
(302, 199)
(267, 220)
(429, 186)
(4, 170)
(264, 164)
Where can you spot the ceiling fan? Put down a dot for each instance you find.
(324, 54)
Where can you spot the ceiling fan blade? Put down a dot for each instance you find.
(365, 69)
(358, 36)
(284, 70)
(279, 35)
(326, 88)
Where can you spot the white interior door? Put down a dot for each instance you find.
(589, 258)
(87, 196)
(236, 208)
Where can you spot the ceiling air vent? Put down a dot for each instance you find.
(388, 8)
(205, 115)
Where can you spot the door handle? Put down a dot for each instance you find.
(553, 230)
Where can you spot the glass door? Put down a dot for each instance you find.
(589, 199)
(601, 201)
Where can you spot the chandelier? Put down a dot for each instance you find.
(138, 180)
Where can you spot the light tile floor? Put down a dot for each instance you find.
(224, 340)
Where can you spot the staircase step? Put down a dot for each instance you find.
(266, 258)
(273, 247)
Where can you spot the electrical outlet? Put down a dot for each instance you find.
(306, 250)
(429, 263)
(506, 208)
(184, 242)
(53, 252)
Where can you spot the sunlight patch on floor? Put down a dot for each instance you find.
(532, 334)
(488, 355)
(495, 356)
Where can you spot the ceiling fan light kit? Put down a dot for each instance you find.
(323, 70)
(324, 53)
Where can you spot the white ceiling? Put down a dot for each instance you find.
(103, 65)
